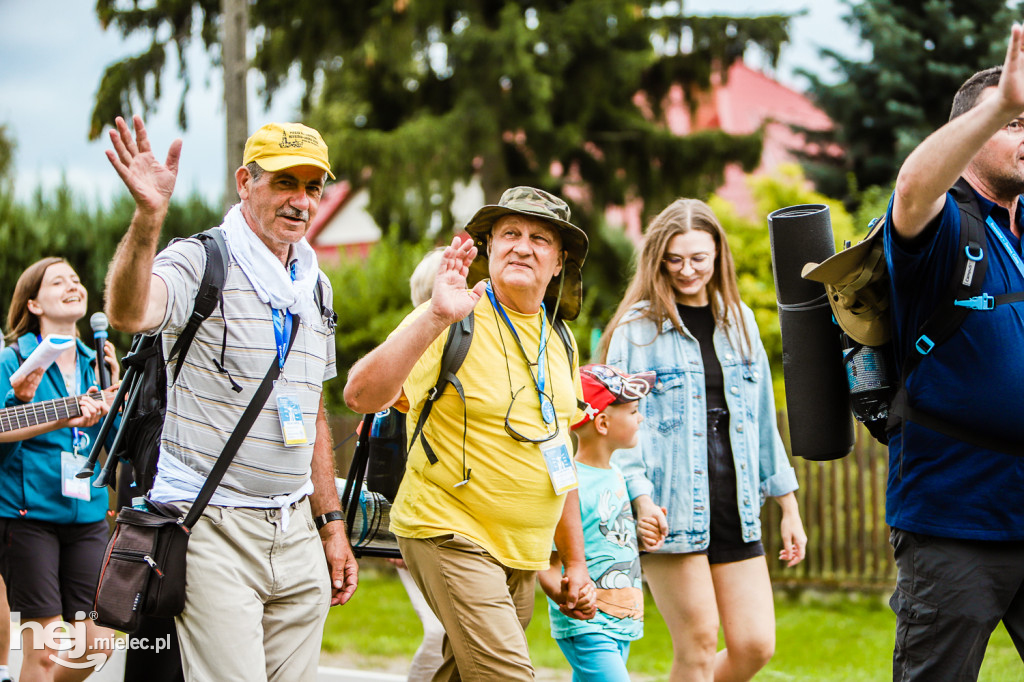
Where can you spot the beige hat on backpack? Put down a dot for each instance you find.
(857, 284)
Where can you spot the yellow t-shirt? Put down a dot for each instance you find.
(509, 506)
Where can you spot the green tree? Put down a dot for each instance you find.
(6, 173)
(56, 223)
(413, 96)
(539, 93)
(371, 296)
(884, 106)
(751, 249)
(6, 154)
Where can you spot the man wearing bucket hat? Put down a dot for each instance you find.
(955, 504)
(257, 563)
(476, 524)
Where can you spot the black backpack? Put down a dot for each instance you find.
(378, 464)
(143, 388)
(886, 405)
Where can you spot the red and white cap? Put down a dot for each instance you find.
(604, 385)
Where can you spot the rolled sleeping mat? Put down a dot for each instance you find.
(817, 392)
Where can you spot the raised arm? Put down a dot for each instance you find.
(136, 298)
(375, 382)
(934, 166)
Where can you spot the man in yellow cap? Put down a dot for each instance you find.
(269, 554)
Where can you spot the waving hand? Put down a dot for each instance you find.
(451, 300)
(150, 182)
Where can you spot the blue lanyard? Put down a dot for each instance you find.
(79, 439)
(282, 332)
(283, 327)
(547, 410)
(1014, 256)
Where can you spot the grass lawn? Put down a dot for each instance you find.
(841, 637)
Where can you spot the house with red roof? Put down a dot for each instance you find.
(739, 103)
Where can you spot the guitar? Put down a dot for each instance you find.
(32, 414)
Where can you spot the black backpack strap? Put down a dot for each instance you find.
(966, 283)
(209, 294)
(562, 329)
(456, 347)
(963, 295)
(239, 433)
(356, 476)
(328, 314)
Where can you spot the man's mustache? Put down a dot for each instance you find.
(295, 214)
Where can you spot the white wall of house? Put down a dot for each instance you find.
(351, 225)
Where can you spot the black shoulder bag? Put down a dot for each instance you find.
(143, 570)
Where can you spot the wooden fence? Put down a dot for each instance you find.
(842, 503)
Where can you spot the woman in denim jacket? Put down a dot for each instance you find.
(709, 450)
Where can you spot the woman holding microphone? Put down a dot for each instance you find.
(53, 524)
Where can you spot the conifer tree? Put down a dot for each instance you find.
(885, 105)
(414, 96)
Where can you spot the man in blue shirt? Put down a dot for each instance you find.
(957, 509)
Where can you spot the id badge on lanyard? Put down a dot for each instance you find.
(560, 467)
(289, 404)
(70, 464)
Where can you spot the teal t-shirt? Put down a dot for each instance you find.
(609, 532)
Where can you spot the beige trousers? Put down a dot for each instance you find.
(484, 606)
(256, 596)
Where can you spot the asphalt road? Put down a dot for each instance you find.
(113, 671)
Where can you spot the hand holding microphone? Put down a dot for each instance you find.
(99, 325)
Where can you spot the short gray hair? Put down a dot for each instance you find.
(255, 170)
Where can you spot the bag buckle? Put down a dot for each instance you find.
(982, 302)
(924, 345)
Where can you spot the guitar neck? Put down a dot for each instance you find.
(33, 414)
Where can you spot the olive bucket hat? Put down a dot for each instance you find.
(535, 203)
(857, 284)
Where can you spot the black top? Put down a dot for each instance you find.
(700, 322)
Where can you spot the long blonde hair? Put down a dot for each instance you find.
(651, 282)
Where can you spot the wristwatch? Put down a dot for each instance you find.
(324, 519)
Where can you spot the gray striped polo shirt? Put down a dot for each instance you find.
(202, 408)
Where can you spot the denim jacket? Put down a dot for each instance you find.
(670, 461)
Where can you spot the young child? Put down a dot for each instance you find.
(597, 649)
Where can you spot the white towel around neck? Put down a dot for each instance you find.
(268, 276)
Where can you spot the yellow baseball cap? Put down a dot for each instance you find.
(277, 146)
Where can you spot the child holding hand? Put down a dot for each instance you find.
(597, 648)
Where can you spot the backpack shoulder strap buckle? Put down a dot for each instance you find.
(982, 302)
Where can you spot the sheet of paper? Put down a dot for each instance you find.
(44, 354)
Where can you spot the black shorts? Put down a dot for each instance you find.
(51, 569)
(726, 542)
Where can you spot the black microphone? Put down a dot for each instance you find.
(99, 325)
